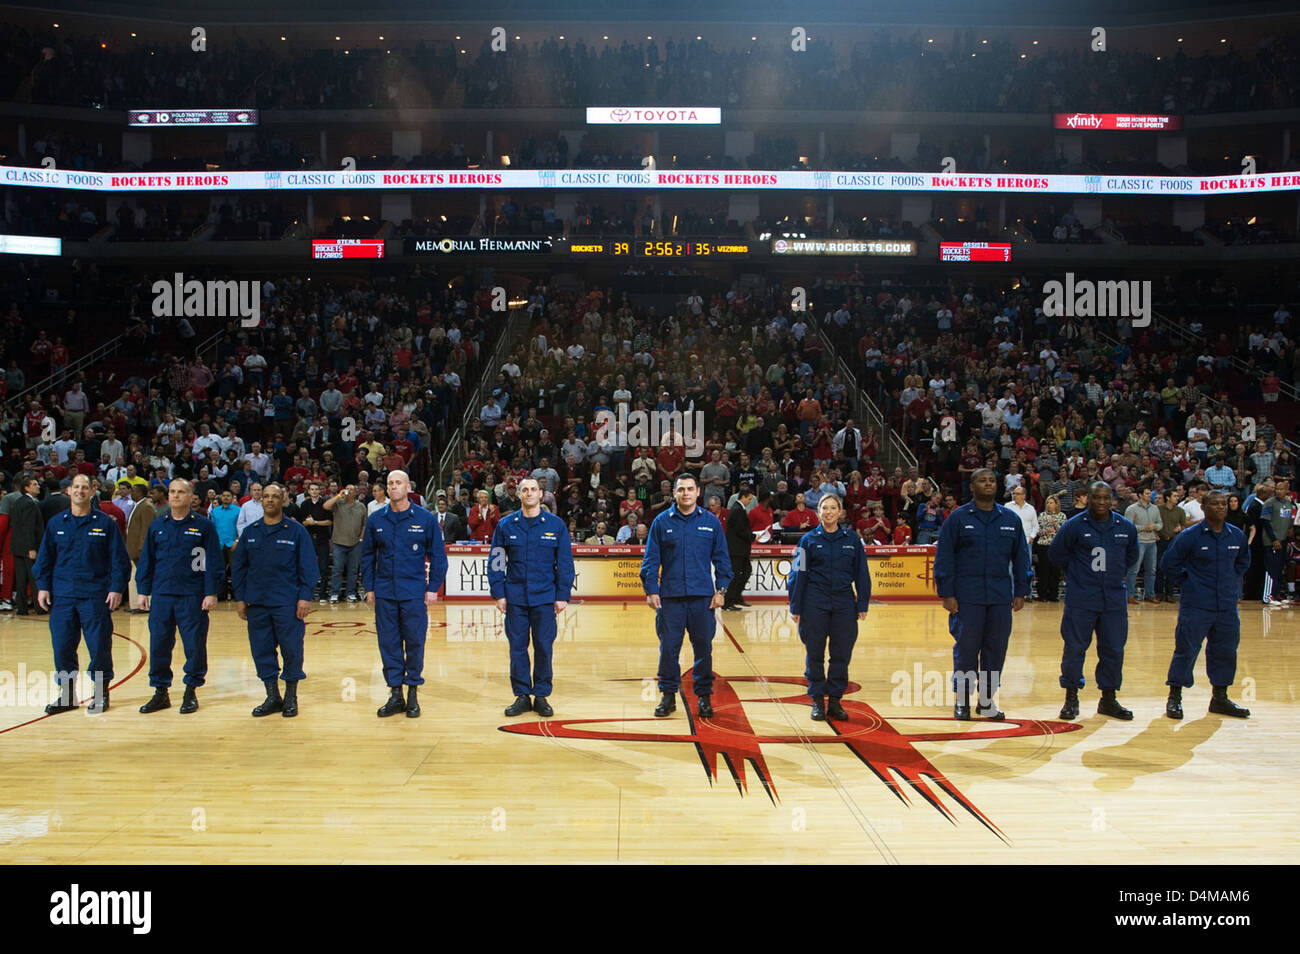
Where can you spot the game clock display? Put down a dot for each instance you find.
(667, 248)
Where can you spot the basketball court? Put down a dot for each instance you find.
(602, 781)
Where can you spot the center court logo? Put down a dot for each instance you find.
(212, 299)
(102, 908)
(887, 752)
(652, 429)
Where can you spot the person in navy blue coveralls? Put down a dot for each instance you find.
(830, 592)
(180, 573)
(530, 572)
(82, 569)
(1095, 548)
(684, 542)
(981, 572)
(398, 541)
(1209, 559)
(273, 571)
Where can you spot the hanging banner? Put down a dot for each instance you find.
(567, 179)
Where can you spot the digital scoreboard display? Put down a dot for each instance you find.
(974, 251)
(666, 248)
(191, 117)
(347, 248)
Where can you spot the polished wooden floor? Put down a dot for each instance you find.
(339, 785)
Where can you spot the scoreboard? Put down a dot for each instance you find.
(661, 248)
(974, 251)
(347, 248)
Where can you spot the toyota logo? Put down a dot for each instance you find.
(620, 115)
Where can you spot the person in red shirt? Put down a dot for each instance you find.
(404, 447)
(761, 519)
(483, 517)
(32, 423)
(902, 535)
(855, 498)
(727, 410)
(876, 526)
(59, 356)
(298, 473)
(670, 460)
(114, 511)
(800, 518)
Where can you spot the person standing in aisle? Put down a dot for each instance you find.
(1048, 577)
(349, 524)
(740, 542)
(1145, 515)
(25, 528)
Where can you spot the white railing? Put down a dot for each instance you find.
(487, 375)
(893, 448)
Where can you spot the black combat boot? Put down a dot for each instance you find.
(1220, 704)
(273, 702)
(394, 705)
(160, 700)
(1110, 706)
(1174, 704)
(1071, 708)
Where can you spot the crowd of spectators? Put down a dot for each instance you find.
(339, 385)
(967, 70)
(974, 377)
(742, 392)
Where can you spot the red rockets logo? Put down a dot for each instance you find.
(888, 753)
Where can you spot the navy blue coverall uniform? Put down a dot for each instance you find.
(537, 574)
(181, 562)
(680, 550)
(1210, 567)
(394, 549)
(272, 569)
(81, 561)
(829, 585)
(1096, 557)
(982, 561)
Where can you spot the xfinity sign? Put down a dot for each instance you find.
(658, 115)
(1088, 299)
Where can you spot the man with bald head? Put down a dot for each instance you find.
(398, 542)
(180, 572)
(81, 575)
